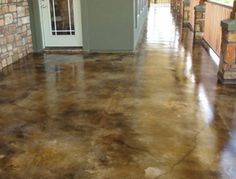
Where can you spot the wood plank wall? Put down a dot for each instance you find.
(215, 13)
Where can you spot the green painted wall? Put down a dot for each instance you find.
(111, 25)
(107, 25)
(35, 25)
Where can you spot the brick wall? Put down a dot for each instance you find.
(15, 33)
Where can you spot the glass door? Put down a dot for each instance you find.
(61, 20)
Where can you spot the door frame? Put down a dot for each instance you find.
(43, 36)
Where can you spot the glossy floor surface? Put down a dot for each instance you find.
(157, 114)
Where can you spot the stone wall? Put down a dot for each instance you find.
(186, 13)
(15, 32)
(199, 21)
(177, 7)
(227, 67)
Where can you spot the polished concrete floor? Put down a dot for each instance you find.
(159, 113)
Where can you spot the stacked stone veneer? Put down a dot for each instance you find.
(15, 33)
(199, 21)
(177, 6)
(186, 13)
(227, 67)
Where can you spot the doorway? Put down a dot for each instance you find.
(61, 23)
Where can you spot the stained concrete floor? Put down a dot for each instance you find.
(157, 114)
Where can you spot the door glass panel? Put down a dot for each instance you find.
(62, 17)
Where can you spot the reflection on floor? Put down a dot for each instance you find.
(157, 114)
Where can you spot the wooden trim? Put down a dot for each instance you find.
(220, 4)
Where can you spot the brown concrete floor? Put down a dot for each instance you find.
(157, 114)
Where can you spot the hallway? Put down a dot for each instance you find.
(159, 113)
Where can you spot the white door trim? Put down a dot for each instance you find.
(50, 40)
